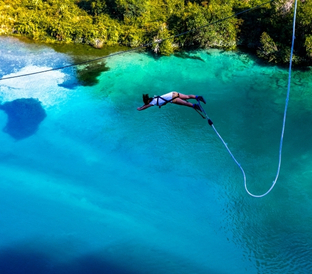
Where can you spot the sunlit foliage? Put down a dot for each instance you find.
(266, 30)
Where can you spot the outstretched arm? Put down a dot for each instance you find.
(144, 107)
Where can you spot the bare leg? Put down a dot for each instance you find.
(179, 101)
(185, 97)
(191, 96)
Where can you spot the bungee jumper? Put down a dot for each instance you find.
(171, 97)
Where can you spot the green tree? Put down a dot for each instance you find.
(268, 48)
(308, 45)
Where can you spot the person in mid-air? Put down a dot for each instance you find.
(171, 97)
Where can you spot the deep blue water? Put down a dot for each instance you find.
(96, 186)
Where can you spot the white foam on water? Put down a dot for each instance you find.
(44, 86)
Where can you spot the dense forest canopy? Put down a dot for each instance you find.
(267, 30)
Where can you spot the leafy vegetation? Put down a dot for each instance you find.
(99, 23)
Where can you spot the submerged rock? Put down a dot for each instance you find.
(24, 117)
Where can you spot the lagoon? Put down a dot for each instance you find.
(100, 187)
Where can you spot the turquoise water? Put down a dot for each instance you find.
(100, 187)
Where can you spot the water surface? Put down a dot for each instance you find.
(100, 187)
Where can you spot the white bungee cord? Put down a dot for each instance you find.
(283, 128)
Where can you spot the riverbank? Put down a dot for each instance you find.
(265, 30)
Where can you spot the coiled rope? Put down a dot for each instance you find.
(139, 47)
(283, 128)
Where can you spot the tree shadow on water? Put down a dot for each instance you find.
(24, 117)
(31, 262)
(36, 257)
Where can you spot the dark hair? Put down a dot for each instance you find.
(146, 99)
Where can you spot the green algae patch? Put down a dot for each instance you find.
(188, 55)
(87, 72)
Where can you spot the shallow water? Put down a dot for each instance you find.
(103, 188)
